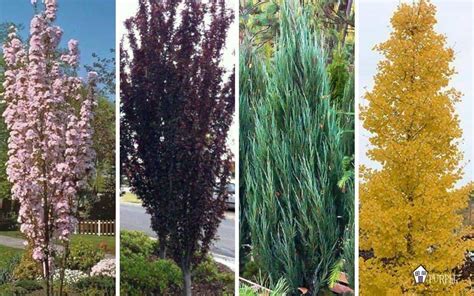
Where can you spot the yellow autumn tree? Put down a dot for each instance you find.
(410, 206)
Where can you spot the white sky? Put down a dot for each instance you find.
(455, 20)
(128, 8)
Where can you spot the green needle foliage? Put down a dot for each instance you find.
(293, 157)
(346, 183)
(252, 78)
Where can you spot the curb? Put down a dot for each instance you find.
(225, 260)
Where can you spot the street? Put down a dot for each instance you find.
(134, 217)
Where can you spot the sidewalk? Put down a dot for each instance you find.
(12, 242)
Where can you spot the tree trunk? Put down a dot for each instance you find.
(47, 271)
(187, 281)
(162, 251)
(63, 267)
(46, 277)
(346, 20)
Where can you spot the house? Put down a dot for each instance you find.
(420, 274)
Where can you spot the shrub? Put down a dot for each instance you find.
(6, 272)
(96, 285)
(27, 269)
(70, 276)
(21, 287)
(208, 272)
(250, 270)
(11, 289)
(105, 267)
(136, 242)
(8, 223)
(139, 276)
(83, 255)
(29, 285)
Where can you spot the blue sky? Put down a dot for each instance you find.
(455, 20)
(92, 22)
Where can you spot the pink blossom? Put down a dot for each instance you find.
(62, 157)
(38, 254)
(51, 8)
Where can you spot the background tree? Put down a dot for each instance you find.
(295, 207)
(259, 22)
(177, 104)
(105, 68)
(410, 207)
(98, 199)
(98, 202)
(48, 115)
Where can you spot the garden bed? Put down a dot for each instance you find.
(144, 273)
(88, 271)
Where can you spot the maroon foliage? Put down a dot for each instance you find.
(177, 104)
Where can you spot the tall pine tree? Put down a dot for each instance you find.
(293, 157)
(410, 207)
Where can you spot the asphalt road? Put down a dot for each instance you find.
(134, 217)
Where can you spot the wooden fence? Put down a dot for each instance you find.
(95, 227)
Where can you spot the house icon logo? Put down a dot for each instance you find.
(420, 274)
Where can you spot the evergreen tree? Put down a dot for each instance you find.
(177, 103)
(410, 207)
(294, 159)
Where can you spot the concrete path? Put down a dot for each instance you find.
(12, 242)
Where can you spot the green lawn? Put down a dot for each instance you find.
(130, 197)
(6, 254)
(12, 233)
(96, 240)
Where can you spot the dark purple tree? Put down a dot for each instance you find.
(177, 103)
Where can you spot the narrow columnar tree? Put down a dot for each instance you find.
(48, 115)
(294, 159)
(177, 103)
(410, 206)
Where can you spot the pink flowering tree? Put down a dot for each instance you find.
(48, 115)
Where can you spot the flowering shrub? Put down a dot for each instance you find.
(105, 267)
(70, 276)
(48, 114)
